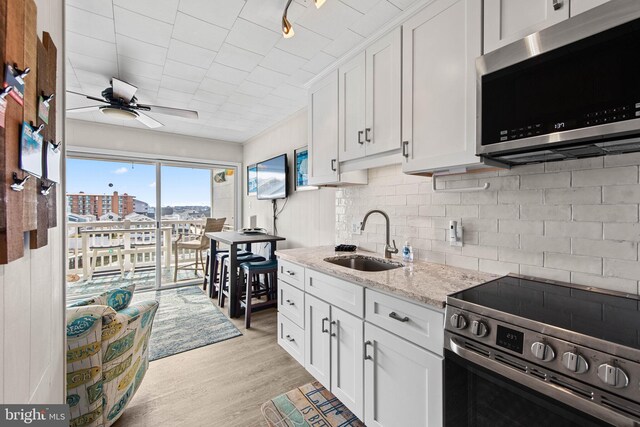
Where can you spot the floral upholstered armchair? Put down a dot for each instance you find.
(107, 354)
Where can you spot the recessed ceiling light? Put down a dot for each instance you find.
(319, 3)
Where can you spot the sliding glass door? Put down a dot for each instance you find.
(143, 222)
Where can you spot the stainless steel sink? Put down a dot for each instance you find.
(364, 263)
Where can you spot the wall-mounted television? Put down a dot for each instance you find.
(272, 178)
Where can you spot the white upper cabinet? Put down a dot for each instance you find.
(323, 131)
(352, 108)
(506, 21)
(579, 6)
(439, 47)
(383, 93)
(370, 99)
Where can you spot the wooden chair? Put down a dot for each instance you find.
(198, 242)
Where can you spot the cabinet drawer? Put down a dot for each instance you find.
(291, 273)
(418, 324)
(337, 292)
(291, 338)
(291, 303)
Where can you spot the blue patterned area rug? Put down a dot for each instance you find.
(186, 319)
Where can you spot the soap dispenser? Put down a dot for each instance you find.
(407, 252)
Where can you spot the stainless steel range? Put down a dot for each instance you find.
(522, 352)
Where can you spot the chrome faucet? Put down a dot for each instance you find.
(388, 249)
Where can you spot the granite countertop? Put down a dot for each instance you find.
(420, 281)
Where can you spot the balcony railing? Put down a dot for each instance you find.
(117, 247)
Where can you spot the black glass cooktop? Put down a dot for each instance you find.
(612, 318)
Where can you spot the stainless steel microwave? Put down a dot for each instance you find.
(566, 92)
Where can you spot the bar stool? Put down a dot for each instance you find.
(218, 262)
(254, 288)
(224, 286)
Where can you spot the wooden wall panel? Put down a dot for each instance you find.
(52, 72)
(3, 188)
(39, 236)
(30, 193)
(11, 238)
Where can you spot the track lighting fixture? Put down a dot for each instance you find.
(287, 29)
(319, 3)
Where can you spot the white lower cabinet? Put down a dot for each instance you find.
(333, 351)
(402, 382)
(382, 359)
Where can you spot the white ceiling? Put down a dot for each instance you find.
(224, 58)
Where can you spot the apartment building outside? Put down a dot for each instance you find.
(99, 204)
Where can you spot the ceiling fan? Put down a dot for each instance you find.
(122, 104)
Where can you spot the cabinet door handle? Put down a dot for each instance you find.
(395, 316)
(405, 149)
(367, 134)
(557, 4)
(366, 356)
(324, 330)
(333, 322)
(333, 165)
(288, 337)
(289, 302)
(360, 141)
(290, 273)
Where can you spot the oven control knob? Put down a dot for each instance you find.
(479, 328)
(575, 362)
(542, 351)
(613, 376)
(458, 321)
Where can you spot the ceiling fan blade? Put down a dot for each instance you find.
(123, 90)
(84, 109)
(178, 112)
(93, 98)
(148, 121)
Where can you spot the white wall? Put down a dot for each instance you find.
(97, 137)
(308, 218)
(32, 290)
(574, 221)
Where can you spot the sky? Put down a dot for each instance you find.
(181, 186)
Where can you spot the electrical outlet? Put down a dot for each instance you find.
(356, 227)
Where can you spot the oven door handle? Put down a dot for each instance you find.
(554, 391)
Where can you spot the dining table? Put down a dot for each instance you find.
(233, 239)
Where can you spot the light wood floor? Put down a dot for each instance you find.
(223, 384)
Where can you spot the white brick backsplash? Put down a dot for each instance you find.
(546, 180)
(622, 269)
(572, 165)
(533, 243)
(520, 197)
(581, 263)
(622, 231)
(545, 273)
(612, 283)
(606, 248)
(499, 239)
(587, 230)
(520, 257)
(514, 226)
(558, 212)
(622, 160)
(480, 198)
(625, 194)
(499, 267)
(432, 210)
(606, 213)
(462, 211)
(568, 221)
(607, 176)
(485, 252)
(462, 261)
(580, 196)
(499, 211)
